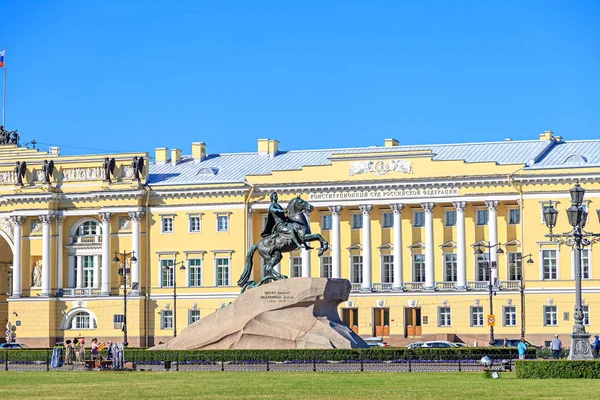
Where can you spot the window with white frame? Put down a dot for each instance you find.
(223, 223)
(444, 316)
(166, 319)
(222, 271)
(167, 224)
(476, 316)
(450, 218)
(418, 219)
(550, 316)
(194, 316)
(549, 264)
(357, 221)
(82, 320)
(326, 222)
(483, 271)
(295, 267)
(585, 264)
(166, 273)
(357, 268)
(388, 220)
(514, 216)
(387, 268)
(515, 266)
(118, 321)
(418, 267)
(195, 272)
(586, 314)
(88, 270)
(510, 316)
(195, 224)
(450, 267)
(326, 267)
(88, 228)
(482, 216)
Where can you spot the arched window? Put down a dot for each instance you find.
(88, 228)
(575, 159)
(81, 320)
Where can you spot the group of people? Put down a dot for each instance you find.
(74, 352)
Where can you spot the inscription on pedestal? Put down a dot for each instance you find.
(277, 297)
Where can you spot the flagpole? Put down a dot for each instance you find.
(4, 96)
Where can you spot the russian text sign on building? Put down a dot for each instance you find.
(384, 194)
(381, 167)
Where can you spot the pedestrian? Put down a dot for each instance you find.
(81, 350)
(76, 346)
(596, 346)
(505, 343)
(69, 353)
(522, 349)
(556, 347)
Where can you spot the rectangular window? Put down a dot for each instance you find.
(195, 271)
(166, 271)
(450, 219)
(388, 220)
(295, 267)
(387, 269)
(476, 316)
(82, 321)
(326, 222)
(357, 221)
(167, 224)
(195, 224)
(586, 315)
(222, 223)
(222, 271)
(549, 264)
(167, 319)
(444, 316)
(483, 272)
(418, 267)
(118, 320)
(419, 219)
(357, 267)
(515, 266)
(326, 265)
(450, 267)
(88, 271)
(585, 264)
(510, 315)
(194, 316)
(514, 216)
(550, 316)
(482, 217)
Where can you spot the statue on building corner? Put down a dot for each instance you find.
(37, 275)
(20, 171)
(8, 137)
(48, 170)
(282, 233)
(109, 168)
(138, 168)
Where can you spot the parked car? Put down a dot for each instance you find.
(514, 343)
(438, 344)
(458, 344)
(375, 342)
(415, 345)
(17, 346)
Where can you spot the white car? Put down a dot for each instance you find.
(375, 341)
(438, 344)
(415, 345)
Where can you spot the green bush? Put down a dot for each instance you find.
(557, 369)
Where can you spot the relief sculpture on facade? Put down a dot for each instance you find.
(83, 174)
(380, 168)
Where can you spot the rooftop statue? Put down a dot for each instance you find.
(283, 233)
(8, 137)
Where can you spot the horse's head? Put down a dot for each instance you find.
(297, 206)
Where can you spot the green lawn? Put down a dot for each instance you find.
(290, 385)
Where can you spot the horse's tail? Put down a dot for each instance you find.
(248, 268)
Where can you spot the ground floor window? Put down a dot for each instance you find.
(194, 316)
(476, 316)
(444, 316)
(510, 315)
(166, 319)
(550, 316)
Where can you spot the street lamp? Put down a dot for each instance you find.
(124, 271)
(529, 258)
(490, 266)
(166, 269)
(577, 239)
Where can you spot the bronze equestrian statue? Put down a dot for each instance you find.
(283, 233)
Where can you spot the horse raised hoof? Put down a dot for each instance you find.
(321, 251)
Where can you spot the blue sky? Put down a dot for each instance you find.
(135, 75)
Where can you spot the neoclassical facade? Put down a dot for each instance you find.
(421, 232)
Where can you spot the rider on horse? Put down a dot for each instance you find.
(277, 222)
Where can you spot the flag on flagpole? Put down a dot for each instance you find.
(2, 53)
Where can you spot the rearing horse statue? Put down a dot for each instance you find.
(283, 234)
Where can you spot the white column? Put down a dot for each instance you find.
(336, 249)
(461, 246)
(17, 263)
(59, 252)
(106, 252)
(366, 243)
(79, 283)
(96, 281)
(71, 273)
(306, 256)
(397, 209)
(429, 246)
(135, 247)
(46, 221)
(493, 235)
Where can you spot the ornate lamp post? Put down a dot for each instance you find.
(124, 271)
(490, 265)
(577, 238)
(166, 269)
(522, 290)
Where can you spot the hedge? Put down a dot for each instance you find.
(557, 369)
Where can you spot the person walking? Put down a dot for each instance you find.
(596, 346)
(556, 347)
(522, 349)
(69, 353)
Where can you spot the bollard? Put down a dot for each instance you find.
(314, 362)
(222, 360)
(268, 366)
(133, 360)
(409, 364)
(459, 364)
(177, 360)
(6, 361)
(362, 366)
(47, 362)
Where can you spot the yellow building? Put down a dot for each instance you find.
(404, 225)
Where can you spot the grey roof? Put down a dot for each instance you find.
(576, 153)
(235, 167)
